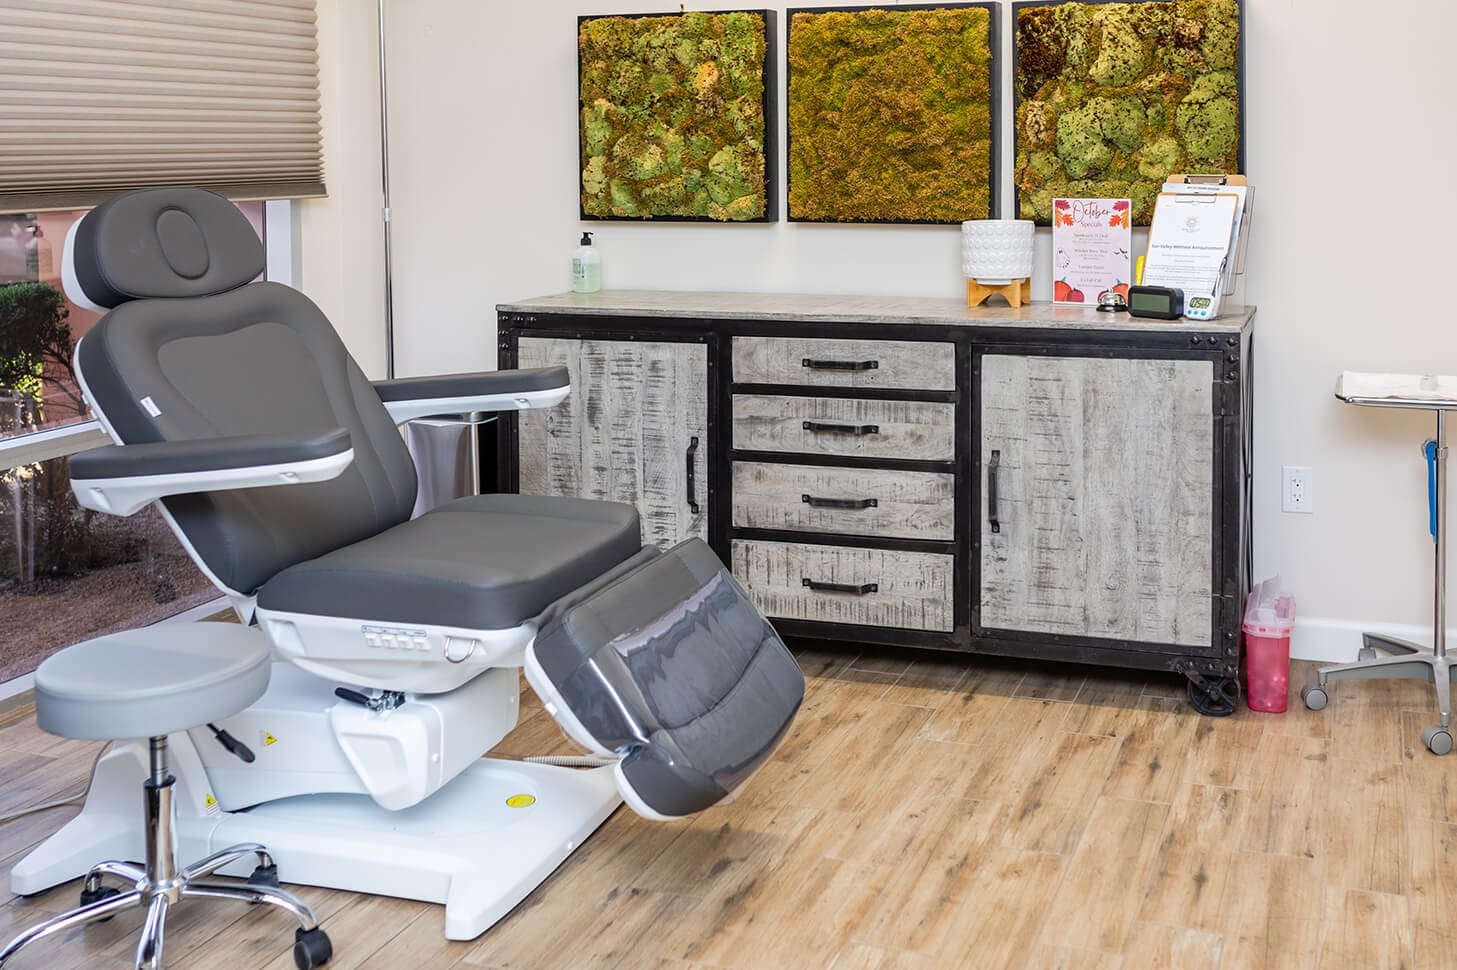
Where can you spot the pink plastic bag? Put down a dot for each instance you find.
(1269, 618)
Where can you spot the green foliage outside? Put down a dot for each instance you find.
(1114, 97)
(673, 116)
(890, 115)
(33, 332)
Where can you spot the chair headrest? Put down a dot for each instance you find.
(159, 244)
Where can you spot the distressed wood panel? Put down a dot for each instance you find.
(915, 588)
(907, 429)
(1106, 486)
(624, 432)
(917, 505)
(913, 364)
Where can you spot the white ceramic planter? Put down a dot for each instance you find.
(994, 252)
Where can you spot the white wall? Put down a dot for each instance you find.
(1348, 246)
(341, 238)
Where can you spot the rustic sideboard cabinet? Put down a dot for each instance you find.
(1047, 482)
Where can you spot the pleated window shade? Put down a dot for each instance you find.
(100, 96)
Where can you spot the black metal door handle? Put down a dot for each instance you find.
(813, 364)
(839, 503)
(858, 429)
(863, 589)
(692, 475)
(993, 467)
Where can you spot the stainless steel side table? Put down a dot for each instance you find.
(1406, 659)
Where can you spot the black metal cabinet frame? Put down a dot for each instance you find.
(1228, 352)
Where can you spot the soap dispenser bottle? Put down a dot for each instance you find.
(586, 267)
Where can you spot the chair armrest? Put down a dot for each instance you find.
(409, 398)
(123, 479)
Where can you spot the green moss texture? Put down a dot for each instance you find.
(890, 115)
(673, 116)
(1114, 97)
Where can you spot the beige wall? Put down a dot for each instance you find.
(1347, 143)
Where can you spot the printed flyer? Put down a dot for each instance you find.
(1091, 244)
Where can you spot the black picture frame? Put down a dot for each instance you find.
(1018, 6)
(771, 125)
(994, 161)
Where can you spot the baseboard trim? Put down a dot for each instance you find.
(1336, 641)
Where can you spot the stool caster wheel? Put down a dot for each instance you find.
(1366, 653)
(89, 896)
(311, 948)
(265, 876)
(1315, 697)
(1214, 696)
(1437, 739)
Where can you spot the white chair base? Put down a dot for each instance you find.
(479, 845)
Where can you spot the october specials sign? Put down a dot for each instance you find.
(1091, 240)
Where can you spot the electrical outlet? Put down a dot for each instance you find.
(1295, 489)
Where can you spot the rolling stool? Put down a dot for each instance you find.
(150, 683)
(1408, 660)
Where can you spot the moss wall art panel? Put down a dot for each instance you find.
(1113, 97)
(893, 113)
(673, 116)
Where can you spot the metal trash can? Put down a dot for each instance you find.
(447, 456)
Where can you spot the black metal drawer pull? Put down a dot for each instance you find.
(993, 467)
(839, 503)
(813, 364)
(860, 429)
(692, 489)
(864, 589)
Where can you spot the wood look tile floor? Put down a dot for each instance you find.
(930, 812)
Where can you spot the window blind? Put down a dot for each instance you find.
(100, 96)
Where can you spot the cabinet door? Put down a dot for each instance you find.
(1103, 477)
(634, 429)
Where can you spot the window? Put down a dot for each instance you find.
(66, 573)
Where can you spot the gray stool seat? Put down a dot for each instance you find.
(151, 682)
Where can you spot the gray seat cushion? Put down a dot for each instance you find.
(151, 682)
(487, 562)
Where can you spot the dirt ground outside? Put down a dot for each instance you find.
(60, 611)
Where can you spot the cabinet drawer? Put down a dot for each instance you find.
(910, 364)
(851, 501)
(915, 430)
(874, 587)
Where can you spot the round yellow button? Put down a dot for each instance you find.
(521, 801)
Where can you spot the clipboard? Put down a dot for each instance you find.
(1185, 266)
(1242, 217)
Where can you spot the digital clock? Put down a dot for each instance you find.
(1158, 302)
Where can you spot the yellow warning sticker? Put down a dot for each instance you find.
(521, 801)
(211, 804)
(269, 739)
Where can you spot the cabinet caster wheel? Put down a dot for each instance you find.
(1366, 653)
(1315, 697)
(1214, 696)
(89, 896)
(265, 876)
(1437, 739)
(311, 948)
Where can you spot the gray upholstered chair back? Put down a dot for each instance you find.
(191, 349)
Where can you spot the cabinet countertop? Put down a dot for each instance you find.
(806, 308)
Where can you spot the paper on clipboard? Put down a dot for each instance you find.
(1213, 184)
(1189, 241)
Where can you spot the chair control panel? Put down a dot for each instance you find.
(393, 638)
